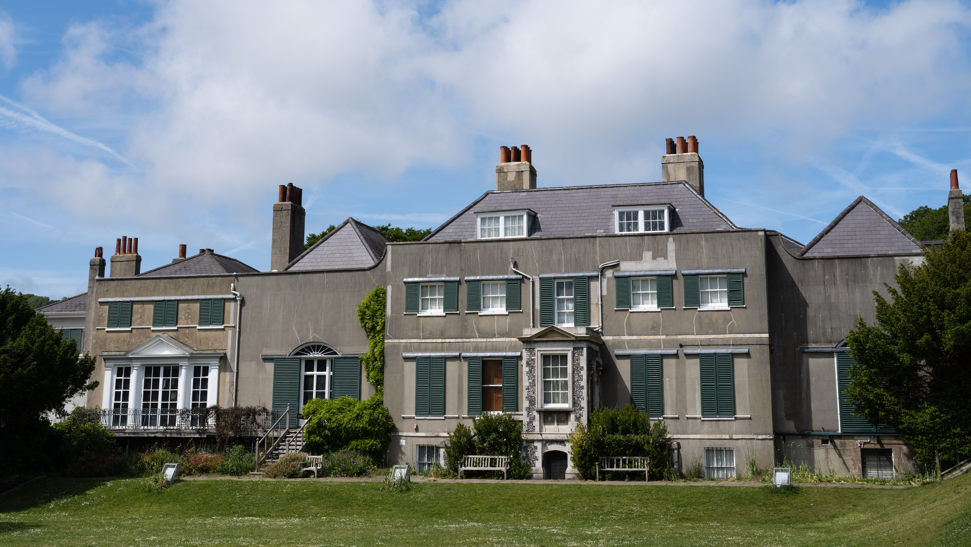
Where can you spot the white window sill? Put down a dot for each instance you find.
(431, 314)
(718, 418)
(501, 237)
(570, 326)
(119, 330)
(714, 308)
(429, 417)
(670, 416)
(497, 312)
(165, 328)
(212, 327)
(556, 408)
(644, 310)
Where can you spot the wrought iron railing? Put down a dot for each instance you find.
(203, 419)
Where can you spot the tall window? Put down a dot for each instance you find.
(628, 221)
(160, 396)
(564, 303)
(122, 389)
(200, 393)
(719, 463)
(714, 291)
(492, 385)
(643, 292)
(432, 298)
(317, 375)
(493, 296)
(497, 225)
(556, 388)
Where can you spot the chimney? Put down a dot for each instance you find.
(515, 170)
(683, 163)
(126, 261)
(181, 254)
(288, 227)
(96, 269)
(955, 204)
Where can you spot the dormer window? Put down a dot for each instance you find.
(502, 224)
(640, 219)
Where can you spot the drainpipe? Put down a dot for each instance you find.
(239, 304)
(512, 265)
(600, 297)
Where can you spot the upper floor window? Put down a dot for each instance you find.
(494, 296)
(119, 315)
(648, 218)
(643, 293)
(504, 224)
(432, 298)
(564, 303)
(713, 291)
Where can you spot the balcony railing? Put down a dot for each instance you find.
(185, 419)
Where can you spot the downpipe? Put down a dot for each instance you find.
(600, 288)
(512, 266)
(239, 304)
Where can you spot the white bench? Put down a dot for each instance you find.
(312, 464)
(485, 463)
(624, 463)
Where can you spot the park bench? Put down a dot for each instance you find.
(624, 463)
(312, 464)
(485, 463)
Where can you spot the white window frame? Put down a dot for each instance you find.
(502, 215)
(719, 454)
(426, 464)
(557, 299)
(440, 297)
(542, 382)
(641, 218)
(719, 306)
(485, 310)
(328, 375)
(654, 292)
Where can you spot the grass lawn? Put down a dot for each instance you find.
(220, 512)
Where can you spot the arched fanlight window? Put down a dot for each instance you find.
(842, 344)
(315, 350)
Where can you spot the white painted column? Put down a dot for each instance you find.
(212, 397)
(109, 386)
(185, 385)
(135, 395)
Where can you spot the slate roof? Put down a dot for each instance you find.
(348, 246)
(581, 210)
(75, 304)
(201, 264)
(862, 229)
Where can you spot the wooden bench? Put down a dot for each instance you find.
(624, 463)
(312, 464)
(485, 463)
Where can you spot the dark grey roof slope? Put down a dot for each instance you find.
(791, 244)
(580, 210)
(75, 304)
(201, 264)
(348, 246)
(862, 229)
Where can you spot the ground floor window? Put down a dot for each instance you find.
(427, 457)
(200, 392)
(160, 396)
(492, 385)
(317, 375)
(719, 463)
(122, 391)
(556, 389)
(877, 463)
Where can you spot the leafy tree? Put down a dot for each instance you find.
(371, 314)
(314, 238)
(912, 369)
(926, 223)
(490, 435)
(39, 372)
(394, 234)
(620, 432)
(37, 301)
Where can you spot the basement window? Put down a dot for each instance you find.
(642, 219)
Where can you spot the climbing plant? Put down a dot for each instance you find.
(371, 314)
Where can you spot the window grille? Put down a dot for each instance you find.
(427, 457)
(720, 463)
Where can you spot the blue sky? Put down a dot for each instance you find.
(174, 122)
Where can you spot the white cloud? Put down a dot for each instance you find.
(8, 39)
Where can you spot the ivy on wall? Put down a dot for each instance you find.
(371, 315)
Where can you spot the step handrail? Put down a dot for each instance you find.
(259, 460)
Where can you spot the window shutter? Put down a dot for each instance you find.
(473, 296)
(475, 386)
(638, 386)
(158, 313)
(725, 379)
(347, 377)
(622, 289)
(547, 315)
(849, 422)
(113, 315)
(171, 313)
(581, 301)
(451, 303)
(124, 315)
(654, 382)
(411, 297)
(421, 386)
(514, 301)
(436, 387)
(205, 312)
(72, 334)
(709, 390)
(510, 384)
(665, 291)
(692, 294)
(286, 383)
(216, 315)
(736, 290)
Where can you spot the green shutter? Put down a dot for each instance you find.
(725, 379)
(421, 386)
(581, 301)
(473, 296)
(171, 313)
(514, 301)
(638, 387)
(692, 294)
(411, 297)
(849, 421)
(286, 388)
(124, 315)
(436, 386)
(205, 312)
(654, 381)
(510, 384)
(451, 303)
(736, 290)
(113, 315)
(216, 315)
(347, 377)
(475, 386)
(73, 334)
(158, 313)
(665, 292)
(547, 313)
(622, 290)
(709, 389)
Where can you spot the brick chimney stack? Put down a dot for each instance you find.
(955, 204)
(515, 170)
(288, 227)
(126, 262)
(181, 254)
(682, 162)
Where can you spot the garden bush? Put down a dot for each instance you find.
(346, 424)
(490, 435)
(80, 433)
(200, 463)
(620, 432)
(237, 461)
(290, 466)
(346, 463)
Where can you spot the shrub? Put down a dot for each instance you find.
(461, 442)
(346, 464)
(91, 464)
(156, 459)
(82, 433)
(234, 422)
(620, 432)
(346, 424)
(396, 484)
(200, 463)
(236, 462)
(491, 435)
(289, 466)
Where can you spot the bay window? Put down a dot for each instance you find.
(556, 381)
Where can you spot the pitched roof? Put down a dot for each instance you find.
(350, 245)
(862, 229)
(75, 304)
(201, 264)
(581, 210)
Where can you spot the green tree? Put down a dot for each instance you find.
(394, 234)
(371, 314)
(926, 223)
(912, 369)
(37, 301)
